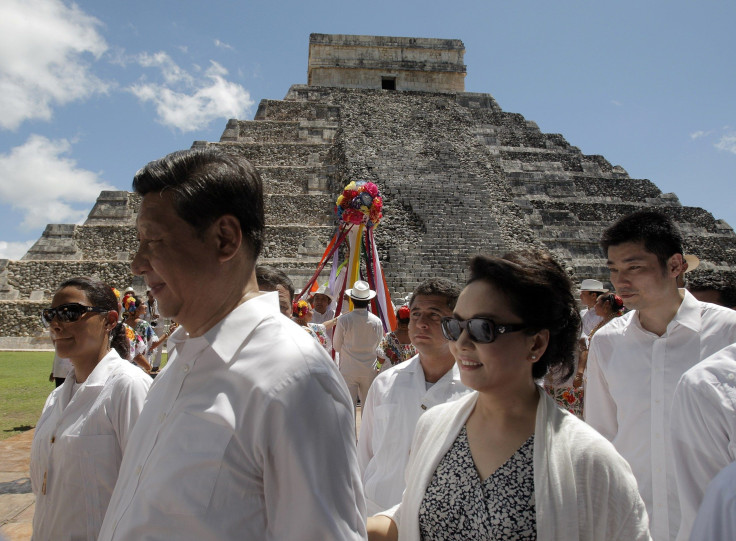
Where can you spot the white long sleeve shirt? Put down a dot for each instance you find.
(247, 433)
(703, 429)
(716, 520)
(632, 375)
(395, 401)
(78, 446)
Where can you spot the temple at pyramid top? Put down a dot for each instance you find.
(389, 63)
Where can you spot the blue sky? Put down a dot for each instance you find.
(91, 91)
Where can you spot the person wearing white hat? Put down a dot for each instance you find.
(324, 309)
(357, 335)
(589, 291)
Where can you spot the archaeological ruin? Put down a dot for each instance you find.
(459, 176)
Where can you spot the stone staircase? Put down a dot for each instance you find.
(459, 176)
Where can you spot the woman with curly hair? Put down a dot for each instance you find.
(505, 462)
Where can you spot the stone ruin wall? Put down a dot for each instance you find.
(424, 64)
(458, 174)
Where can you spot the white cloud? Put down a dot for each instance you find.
(190, 103)
(171, 72)
(14, 250)
(39, 180)
(44, 48)
(223, 45)
(727, 143)
(700, 133)
(617, 103)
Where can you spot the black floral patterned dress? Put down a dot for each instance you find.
(457, 505)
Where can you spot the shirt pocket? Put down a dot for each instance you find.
(99, 459)
(186, 477)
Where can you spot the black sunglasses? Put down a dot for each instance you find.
(67, 312)
(480, 329)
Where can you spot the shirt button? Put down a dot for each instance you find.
(186, 368)
(731, 376)
(53, 439)
(138, 470)
(424, 407)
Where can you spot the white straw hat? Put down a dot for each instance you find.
(592, 285)
(361, 291)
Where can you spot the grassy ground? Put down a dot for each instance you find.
(24, 386)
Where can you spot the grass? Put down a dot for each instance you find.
(24, 387)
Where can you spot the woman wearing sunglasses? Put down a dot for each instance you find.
(504, 462)
(79, 440)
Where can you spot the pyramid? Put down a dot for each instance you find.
(458, 175)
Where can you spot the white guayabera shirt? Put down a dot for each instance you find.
(247, 433)
(78, 446)
(632, 375)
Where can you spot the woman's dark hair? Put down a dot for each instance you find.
(208, 183)
(615, 303)
(102, 296)
(540, 293)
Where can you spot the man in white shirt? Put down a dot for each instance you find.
(247, 433)
(590, 290)
(636, 360)
(716, 520)
(400, 395)
(324, 309)
(357, 335)
(272, 279)
(703, 429)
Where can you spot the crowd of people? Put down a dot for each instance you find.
(494, 410)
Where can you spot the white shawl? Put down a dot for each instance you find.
(583, 488)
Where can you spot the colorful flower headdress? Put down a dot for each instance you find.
(300, 309)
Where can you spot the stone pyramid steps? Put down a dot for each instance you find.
(281, 179)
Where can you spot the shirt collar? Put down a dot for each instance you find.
(227, 336)
(688, 315)
(101, 372)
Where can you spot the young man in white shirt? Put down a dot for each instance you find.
(400, 395)
(636, 360)
(248, 432)
(703, 429)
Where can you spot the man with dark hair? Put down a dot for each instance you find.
(636, 360)
(357, 335)
(226, 445)
(401, 394)
(272, 279)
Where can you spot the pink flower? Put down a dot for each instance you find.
(371, 189)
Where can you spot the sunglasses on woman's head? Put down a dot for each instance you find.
(480, 329)
(67, 312)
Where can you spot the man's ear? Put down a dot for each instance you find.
(675, 265)
(228, 236)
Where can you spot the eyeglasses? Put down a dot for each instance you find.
(67, 313)
(480, 329)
